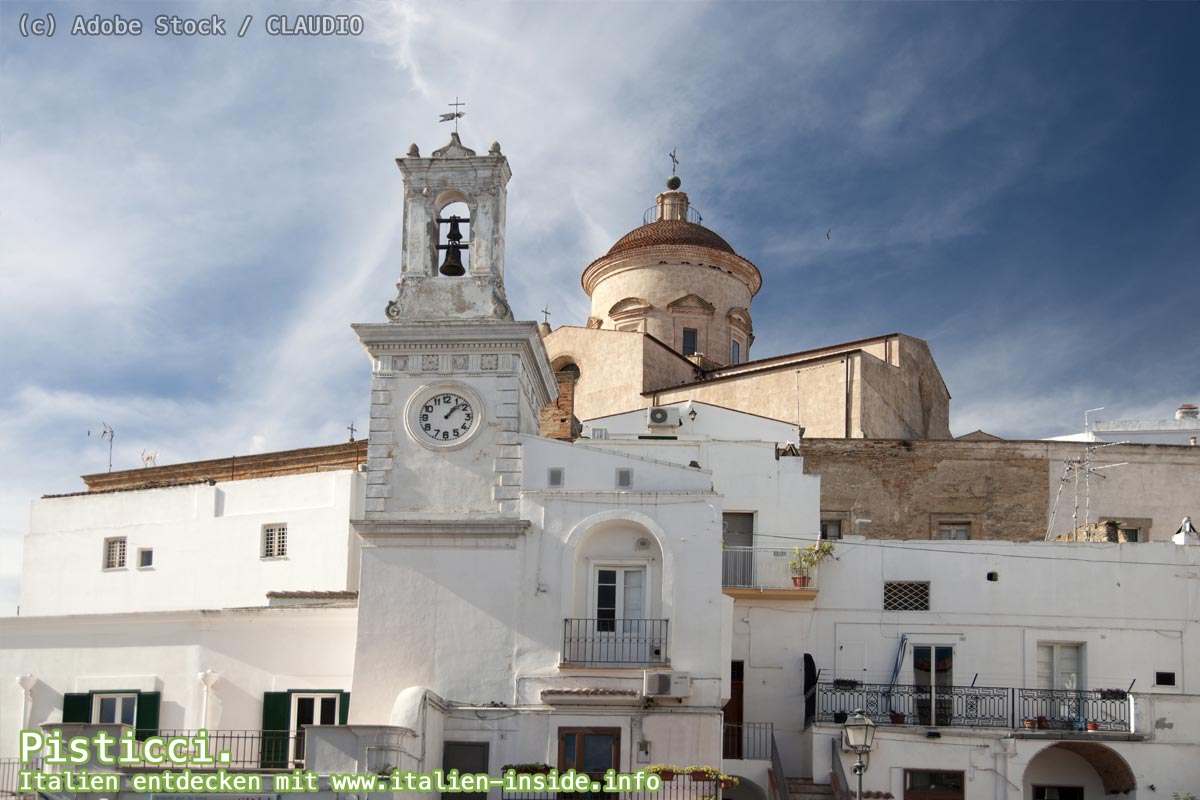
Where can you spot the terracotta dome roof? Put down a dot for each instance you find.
(670, 231)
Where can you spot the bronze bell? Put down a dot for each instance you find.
(452, 265)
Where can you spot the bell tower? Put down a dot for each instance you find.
(428, 289)
(455, 380)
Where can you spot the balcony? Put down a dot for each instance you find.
(747, 740)
(763, 572)
(1035, 710)
(614, 642)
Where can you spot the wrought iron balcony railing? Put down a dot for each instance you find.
(975, 706)
(760, 568)
(747, 740)
(614, 642)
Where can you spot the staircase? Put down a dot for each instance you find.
(805, 789)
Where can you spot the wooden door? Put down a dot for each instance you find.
(733, 737)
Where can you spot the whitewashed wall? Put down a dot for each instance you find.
(252, 650)
(206, 541)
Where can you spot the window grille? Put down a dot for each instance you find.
(114, 552)
(274, 541)
(906, 596)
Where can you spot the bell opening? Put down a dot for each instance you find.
(454, 240)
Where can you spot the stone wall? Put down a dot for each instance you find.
(999, 489)
(558, 420)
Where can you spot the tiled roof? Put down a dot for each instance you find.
(670, 231)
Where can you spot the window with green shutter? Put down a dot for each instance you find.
(130, 707)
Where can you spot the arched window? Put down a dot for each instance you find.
(454, 239)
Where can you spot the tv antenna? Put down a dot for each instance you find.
(1075, 468)
(149, 459)
(107, 433)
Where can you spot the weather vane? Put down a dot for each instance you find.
(455, 114)
(674, 160)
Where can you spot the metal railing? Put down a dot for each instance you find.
(681, 787)
(633, 642)
(742, 740)
(759, 568)
(248, 750)
(1067, 709)
(837, 775)
(10, 779)
(780, 778)
(693, 215)
(974, 706)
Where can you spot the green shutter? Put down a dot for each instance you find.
(276, 724)
(77, 708)
(343, 707)
(145, 722)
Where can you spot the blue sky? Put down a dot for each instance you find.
(189, 225)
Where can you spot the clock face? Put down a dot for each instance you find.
(444, 418)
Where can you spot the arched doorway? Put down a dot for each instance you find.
(1077, 771)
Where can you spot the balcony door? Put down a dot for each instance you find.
(933, 676)
(619, 605)
(1060, 669)
(738, 538)
(310, 709)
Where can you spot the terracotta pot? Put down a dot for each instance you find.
(800, 581)
(726, 784)
(896, 717)
(1093, 726)
(700, 776)
(1031, 724)
(667, 776)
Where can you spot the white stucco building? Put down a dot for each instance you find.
(458, 591)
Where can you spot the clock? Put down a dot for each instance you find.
(444, 416)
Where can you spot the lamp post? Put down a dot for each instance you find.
(860, 734)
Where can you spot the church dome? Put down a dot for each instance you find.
(670, 232)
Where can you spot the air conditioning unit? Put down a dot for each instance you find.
(662, 417)
(667, 684)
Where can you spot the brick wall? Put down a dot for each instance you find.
(558, 420)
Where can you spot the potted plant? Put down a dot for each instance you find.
(1031, 724)
(665, 771)
(840, 716)
(727, 781)
(897, 717)
(1093, 726)
(702, 773)
(533, 768)
(1113, 694)
(805, 558)
(846, 683)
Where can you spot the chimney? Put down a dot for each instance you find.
(1187, 411)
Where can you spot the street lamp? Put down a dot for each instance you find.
(859, 735)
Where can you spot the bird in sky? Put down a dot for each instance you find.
(827, 233)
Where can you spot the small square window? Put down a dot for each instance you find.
(145, 557)
(954, 531)
(114, 552)
(831, 529)
(624, 478)
(906, 596)
(555, 477)
(274, 541)
(1164, 679)
(114, 709)
(1130, 534)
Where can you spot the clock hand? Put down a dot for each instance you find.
(451, 411)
